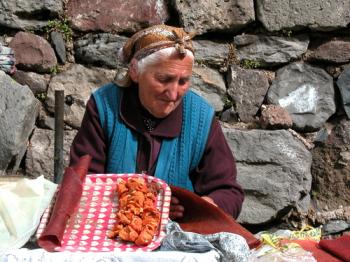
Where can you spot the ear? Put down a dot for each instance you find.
(133, 70)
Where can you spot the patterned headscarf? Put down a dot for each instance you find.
(150, 40)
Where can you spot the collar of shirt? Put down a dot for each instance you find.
(134, 114)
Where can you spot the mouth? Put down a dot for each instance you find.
(167, 101)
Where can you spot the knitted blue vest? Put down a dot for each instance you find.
(177, 157)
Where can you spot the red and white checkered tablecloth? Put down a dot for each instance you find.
(87, 229)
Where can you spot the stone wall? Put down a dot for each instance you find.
(276, 72)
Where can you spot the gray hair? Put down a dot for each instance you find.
(156, 56)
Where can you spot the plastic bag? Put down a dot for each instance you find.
(22, 203)
(7, 60)
(277, 247)
(294, 254)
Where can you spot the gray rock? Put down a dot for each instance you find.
(274, 170)
(247, 88)
(59, 45)
(36, 82)
(343, 83)
(99, 49)
(209, 84)
(211, 53)
(18, 111)
(229, 116)
(306, 92)
(322, 15)
(40, 155)
(270, 50)
(28, 14)
(303, 206)
(116, 15)
(206, 16)
(321, 136)
(334, 51)
(335, 226)
(45, 120)
(33, 53)
(88, 79)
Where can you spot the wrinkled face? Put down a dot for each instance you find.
(163, 84)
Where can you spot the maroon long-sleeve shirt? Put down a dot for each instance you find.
(215, 176)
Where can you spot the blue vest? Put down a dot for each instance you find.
(177, 157)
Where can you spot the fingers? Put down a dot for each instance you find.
(176, 210)
(174, 200)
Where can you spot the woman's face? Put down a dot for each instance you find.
(163, 84)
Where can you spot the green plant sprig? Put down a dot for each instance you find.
(250, 64)
(60, 25)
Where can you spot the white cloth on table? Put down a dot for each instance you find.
(40, 255)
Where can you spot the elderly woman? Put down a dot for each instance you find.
(149, 121)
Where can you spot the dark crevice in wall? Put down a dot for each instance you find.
(173, 15)
(6, 31)
(38, 15)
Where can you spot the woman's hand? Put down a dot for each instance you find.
(176, 210)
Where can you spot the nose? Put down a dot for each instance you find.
(172, 91)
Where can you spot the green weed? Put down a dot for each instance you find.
(250, 64)
(60, 25)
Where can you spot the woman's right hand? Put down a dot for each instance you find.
(176, 210)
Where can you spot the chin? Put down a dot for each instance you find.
(162, 114)
(162, 111)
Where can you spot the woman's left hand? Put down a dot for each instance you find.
(176, 209)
